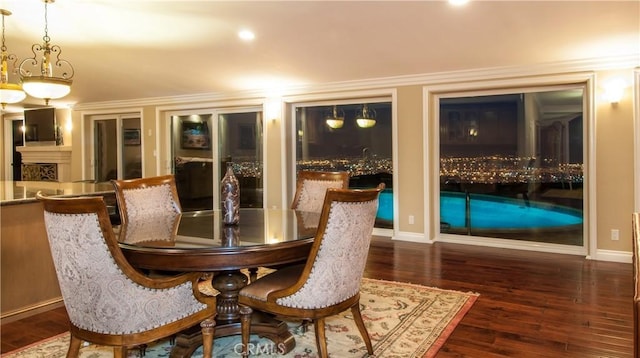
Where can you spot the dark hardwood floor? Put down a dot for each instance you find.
(531, 304)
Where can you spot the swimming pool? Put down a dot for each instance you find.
(492, 212)
(385, 206)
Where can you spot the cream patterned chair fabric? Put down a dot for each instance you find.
(149, 208)
(108, 301)
(311, 187)
(329, 282)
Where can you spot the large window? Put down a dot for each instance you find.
(356, 138)
(511, 166)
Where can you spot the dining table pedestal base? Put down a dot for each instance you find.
(263, 325)
(228, 284)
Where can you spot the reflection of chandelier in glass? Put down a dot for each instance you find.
(42, 83)
(336, 119)
(9, 92)
(473, 128)
(366, 118)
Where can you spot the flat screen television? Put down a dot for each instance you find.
(40, 126)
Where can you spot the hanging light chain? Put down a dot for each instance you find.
(46, 37)
(4, 47)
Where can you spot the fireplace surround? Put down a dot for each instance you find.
(46, 163)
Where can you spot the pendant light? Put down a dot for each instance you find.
(366, 118)
(38, 78)
(9, 92)
(336, 119)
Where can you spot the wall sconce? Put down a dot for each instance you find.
(272, 110)
(613, 90)
(335, 120)
(366, 118)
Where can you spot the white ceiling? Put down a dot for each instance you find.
(132, 49)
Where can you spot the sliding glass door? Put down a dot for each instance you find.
(117, 146)
(203, 142)
(240, 142)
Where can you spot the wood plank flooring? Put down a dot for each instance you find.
(531, 304)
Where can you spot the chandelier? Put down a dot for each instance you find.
(9, 92)
(38, 78)
(336, 119)
(366, 118)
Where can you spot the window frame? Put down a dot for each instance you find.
(431, 119)
(289, 133)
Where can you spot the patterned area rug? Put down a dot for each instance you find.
(403, 320)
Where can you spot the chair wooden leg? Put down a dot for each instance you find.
(74, 347)
(143, 349)
(304, 325)
(245, 327)
(208, 329)
(357, 316)
(119, 352)
(253, 274)
(321, 338)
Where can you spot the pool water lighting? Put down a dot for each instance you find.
(493, 212)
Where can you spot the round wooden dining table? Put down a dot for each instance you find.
(200, 242)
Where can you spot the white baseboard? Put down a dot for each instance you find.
(412, 237)
(613, 256)
(601, 255)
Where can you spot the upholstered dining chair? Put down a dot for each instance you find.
(148, 207)
(312, 185)
(635, 230)
(329, 282)
(108, 301)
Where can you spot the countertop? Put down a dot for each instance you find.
(19, 192)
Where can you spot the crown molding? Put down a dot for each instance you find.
(594, 64)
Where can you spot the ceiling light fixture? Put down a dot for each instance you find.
(246, 35)
(9, 92)
(458, 2)
(43, 83)
(336, 119)
(366, 118)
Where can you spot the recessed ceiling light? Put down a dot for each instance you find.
(458, 2)
(246, 35)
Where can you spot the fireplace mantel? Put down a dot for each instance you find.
(50, 154)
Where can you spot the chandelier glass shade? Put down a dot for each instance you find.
(46, 87)
(9, 92)
(38, 77)
(336, 119)
(366, 118)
